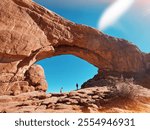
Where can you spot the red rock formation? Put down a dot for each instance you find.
(29, 33)
(128, 98)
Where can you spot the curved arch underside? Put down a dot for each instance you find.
(29, 32)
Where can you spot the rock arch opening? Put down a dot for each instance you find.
(38, 33)
(66, 71)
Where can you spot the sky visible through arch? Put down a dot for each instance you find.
(131, 24)
(65, 71)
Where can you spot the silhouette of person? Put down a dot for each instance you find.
(61, 89)
(77, 86)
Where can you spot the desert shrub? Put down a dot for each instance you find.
(126, 90)
(122, 88)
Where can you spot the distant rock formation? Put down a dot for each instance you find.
(29, 33)
(108, 78)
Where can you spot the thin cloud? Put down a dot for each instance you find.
(113, 13)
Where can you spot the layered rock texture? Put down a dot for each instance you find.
(29, 33)
(125, 97)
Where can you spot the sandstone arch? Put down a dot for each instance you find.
(29, 32)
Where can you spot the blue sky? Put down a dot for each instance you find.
(66, 71)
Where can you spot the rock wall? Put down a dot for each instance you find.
(108, 78)
(29, 33)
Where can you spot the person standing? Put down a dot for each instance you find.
(77, 86)
(61, 89)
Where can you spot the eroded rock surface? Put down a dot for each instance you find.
(29, 33)
(108, 78)
(125, 97)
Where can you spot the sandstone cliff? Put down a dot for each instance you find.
(29, 33)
